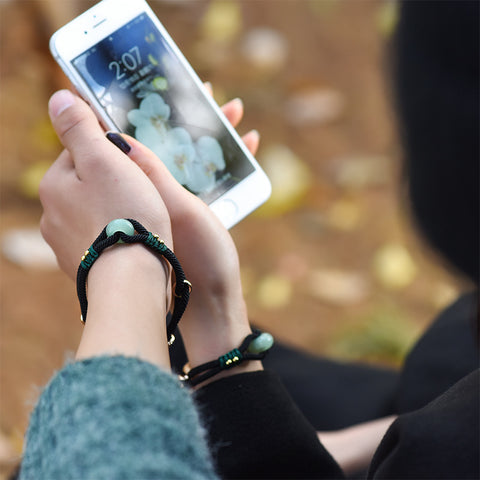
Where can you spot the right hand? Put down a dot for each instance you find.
(216, 319)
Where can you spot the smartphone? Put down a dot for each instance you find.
(123, 62)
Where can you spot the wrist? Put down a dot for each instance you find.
(127, 290)
(214, 327)
(131, 262)
(245, 357)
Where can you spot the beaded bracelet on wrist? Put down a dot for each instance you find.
(130, 231)
(254, 347)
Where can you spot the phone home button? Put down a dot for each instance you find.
(227, 211)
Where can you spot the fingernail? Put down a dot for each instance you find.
(119, 141)
(237, 100)
(60, 101)
(254, 133)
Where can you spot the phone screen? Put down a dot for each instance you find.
(147, 92)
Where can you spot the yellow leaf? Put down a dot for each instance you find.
(387, 18)
(274, 291)
(30, 178)
(222, 21)
(43, 138)
(290, 177)
(394, 267)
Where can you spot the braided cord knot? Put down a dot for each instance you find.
(254, 347)
(89, 258)
(230, 359)
(153, 241)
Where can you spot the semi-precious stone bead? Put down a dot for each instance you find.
(261, 344)
(120, 225)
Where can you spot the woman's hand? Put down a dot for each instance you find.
(216, 319)
(91, 183)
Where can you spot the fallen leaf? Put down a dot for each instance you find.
(30, 178)
(44, 139)
(222, 21)
(274, 291)
(27, 248)
(265, 48)
(359, 172)
(290, 177)
(339, 287)
(317, 106)
(394, 267)
(387, 17)
(381, 337)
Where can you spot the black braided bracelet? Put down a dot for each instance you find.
(254, 347)
(123, 231)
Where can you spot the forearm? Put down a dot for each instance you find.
(126, 306)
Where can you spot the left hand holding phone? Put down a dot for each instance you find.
(90, 184)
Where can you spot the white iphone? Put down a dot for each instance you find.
(121, 59)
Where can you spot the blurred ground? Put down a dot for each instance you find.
(330, 264)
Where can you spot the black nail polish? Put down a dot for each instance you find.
(119, 141)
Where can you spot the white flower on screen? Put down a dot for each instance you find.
(209, 159)
(177, 152)
(193, 164)
(152, 115)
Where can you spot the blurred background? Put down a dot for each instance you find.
(331, 263)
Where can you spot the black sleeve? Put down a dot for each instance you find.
(438, 441)
(256, 431)
(445, 353)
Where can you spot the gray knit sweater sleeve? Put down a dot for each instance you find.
(115, 418)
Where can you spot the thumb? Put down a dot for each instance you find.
(76, 125)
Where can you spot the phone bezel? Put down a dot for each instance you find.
(98, 22)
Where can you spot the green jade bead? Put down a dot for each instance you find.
(120, 225)
(261, 344)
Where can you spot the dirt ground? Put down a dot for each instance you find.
(331, 265)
